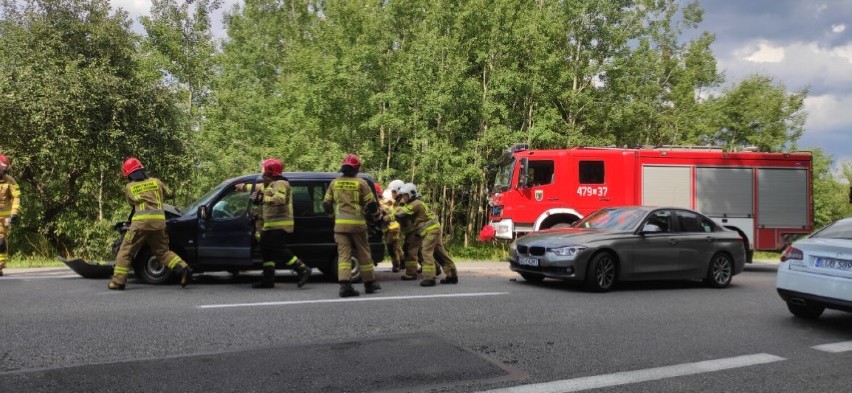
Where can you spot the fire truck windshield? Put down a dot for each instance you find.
(503, 180)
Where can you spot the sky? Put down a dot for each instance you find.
(799, 43)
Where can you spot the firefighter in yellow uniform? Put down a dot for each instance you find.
(10, 205)
(391, 227)
(148, 225)
(426, 238)
(277, 201)
(350, 198)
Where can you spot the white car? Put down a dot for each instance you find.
(816, 272)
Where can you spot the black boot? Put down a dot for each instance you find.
(450, 280)
(371, 287)
(304, 274)
(267, 280)
(427, 283)
(185, 275)
(115, 286)
(346, 289)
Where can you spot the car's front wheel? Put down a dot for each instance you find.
(720, 271)
(601, 274)
(532, 277)
(149, 269)
(806, 311)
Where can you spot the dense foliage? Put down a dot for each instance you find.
(424, 90)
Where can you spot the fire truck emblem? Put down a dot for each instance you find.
(539, 195)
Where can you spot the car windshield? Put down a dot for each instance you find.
(836, 230)
(504, 176)
(205, 199)
(623, 219)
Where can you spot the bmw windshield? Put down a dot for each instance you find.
(612, 219)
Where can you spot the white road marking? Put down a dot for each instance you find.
(353, 299)
(651, 374)
(36, 277)
(835, 348)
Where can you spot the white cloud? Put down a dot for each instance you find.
(765, 53)
(828, 112)
(838, 28)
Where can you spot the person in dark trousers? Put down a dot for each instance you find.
(277, 210)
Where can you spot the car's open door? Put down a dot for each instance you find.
(225, 232)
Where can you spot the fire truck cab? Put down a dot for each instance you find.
(767, 197)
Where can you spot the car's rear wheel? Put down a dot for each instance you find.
(329, 270)
(806, 311)
(532, 277)
(720, 271)
(602, 272)
(149, 269)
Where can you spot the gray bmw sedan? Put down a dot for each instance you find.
(632, 243)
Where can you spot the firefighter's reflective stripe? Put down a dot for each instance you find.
(174, 262)
(120, 270)
(292, 261)
(273, 224)
(149, 215)
(393, 226)
(349, 219)
(5, 213)
(429, 226)
(269, 264)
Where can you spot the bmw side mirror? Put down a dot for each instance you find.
(202, 212)
(650, 228)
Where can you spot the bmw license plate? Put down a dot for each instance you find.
(835, 264)
(527, 261)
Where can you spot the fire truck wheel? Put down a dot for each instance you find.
(600, 276)
(532, 277)
(720, 271)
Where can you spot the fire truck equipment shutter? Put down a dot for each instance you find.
(782, 198)
(666, 186)
(725, 192)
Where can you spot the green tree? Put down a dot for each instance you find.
(759, 112)
(831, 197)
(74, 103)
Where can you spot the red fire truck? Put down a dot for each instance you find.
(767, 197)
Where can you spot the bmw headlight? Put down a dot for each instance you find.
(567, 251)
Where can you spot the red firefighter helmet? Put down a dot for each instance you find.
(353, 161)
(131, 165)
(272, 167)
(487, 234)
(4, 161)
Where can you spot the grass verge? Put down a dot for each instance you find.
(30, 262)
(767, 256)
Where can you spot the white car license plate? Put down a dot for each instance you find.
(527, 261)
(831, 263)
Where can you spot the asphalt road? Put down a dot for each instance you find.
(492, 331)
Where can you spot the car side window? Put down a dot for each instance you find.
(307, 200)
(234, 204)
(660, 218)
(706, 224)
(689, 222)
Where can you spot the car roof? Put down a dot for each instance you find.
(303, 176)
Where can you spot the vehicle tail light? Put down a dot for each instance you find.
(792, 253)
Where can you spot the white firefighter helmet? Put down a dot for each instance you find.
(408, 189)
(394, 185)
(387, 195)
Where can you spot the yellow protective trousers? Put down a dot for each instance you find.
(134, 239)
(4, 243)
(347, 245)
(394, 247)
(433, 250)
